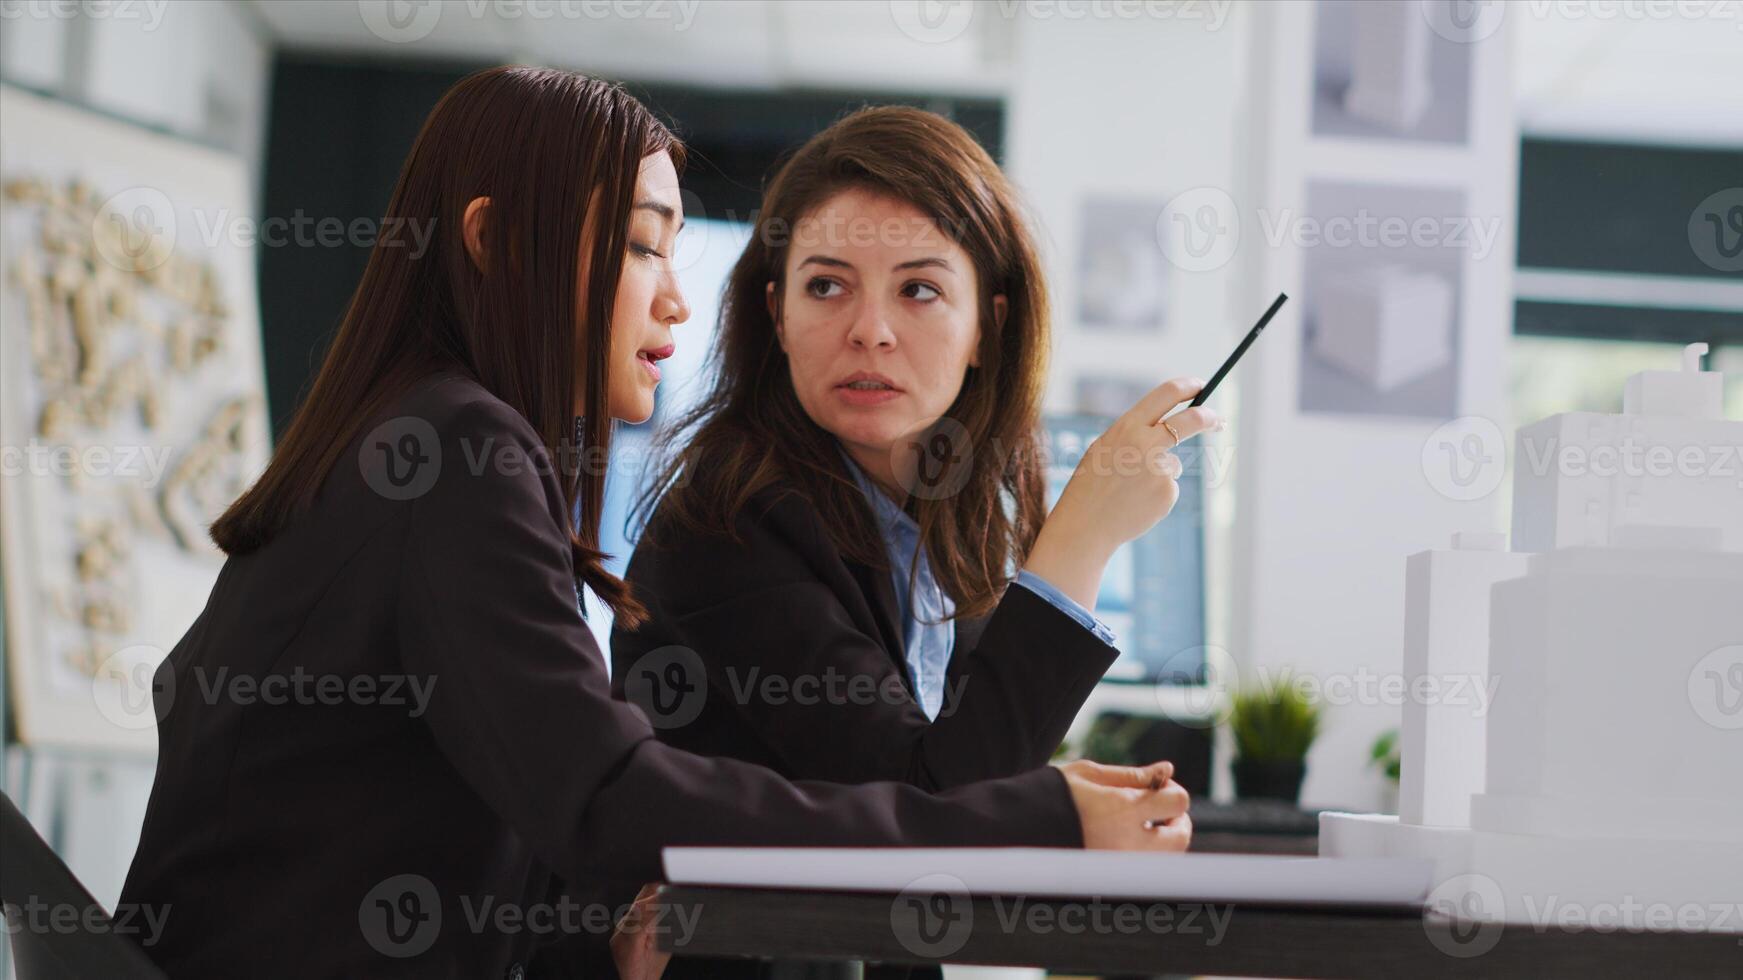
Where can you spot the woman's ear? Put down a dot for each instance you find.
(773, 300)
(472, 229)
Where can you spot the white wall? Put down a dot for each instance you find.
(198, 70)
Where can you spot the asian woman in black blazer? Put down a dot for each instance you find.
(403, 581)
(850, 553)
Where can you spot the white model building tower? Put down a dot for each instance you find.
(1607, 773)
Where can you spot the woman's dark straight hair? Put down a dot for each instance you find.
(749, 431)
(555, 152)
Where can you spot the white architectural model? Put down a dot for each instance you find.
(1386, 325)
(1389, 68)
(1604, 783)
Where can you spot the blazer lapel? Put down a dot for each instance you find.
(880, 596)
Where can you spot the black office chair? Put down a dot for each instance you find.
(34, 881)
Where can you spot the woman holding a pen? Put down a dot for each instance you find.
(850, 548)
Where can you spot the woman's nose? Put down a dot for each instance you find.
(670, 305)
(871, 329)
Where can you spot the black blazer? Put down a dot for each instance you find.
(779, 608)
(313, 836)
(802, 655)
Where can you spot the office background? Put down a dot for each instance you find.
(1586, 138)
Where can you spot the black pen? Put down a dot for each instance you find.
(1246, 342)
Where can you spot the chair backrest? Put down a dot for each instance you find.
(57, 930)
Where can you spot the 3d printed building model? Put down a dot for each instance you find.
(1387, 325)
(1606, 778)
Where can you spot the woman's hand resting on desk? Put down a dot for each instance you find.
(1122, 487)
(1129, 808)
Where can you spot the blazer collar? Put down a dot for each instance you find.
(878, 586)
(879, 591)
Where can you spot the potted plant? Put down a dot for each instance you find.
(1274, 725)
(1385, 757)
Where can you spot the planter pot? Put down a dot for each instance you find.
(1269, 779)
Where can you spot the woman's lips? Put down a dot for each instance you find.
(865, 388)
(651, 359)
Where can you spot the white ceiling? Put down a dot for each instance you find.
(1617, 69)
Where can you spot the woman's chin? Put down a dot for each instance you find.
(636, 410)
(876, 438)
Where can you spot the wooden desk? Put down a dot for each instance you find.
(1164, 938)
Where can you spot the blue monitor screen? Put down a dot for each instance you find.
(1152, 595)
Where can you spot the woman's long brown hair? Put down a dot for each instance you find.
(549, 148)
(750, 433)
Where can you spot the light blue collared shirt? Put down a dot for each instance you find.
(929, 634)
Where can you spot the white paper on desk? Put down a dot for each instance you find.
(1061, 873)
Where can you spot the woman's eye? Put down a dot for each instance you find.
(922, 291)
(821, 288)
(646, 251)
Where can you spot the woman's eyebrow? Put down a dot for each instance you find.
(930, 262)
(665, 211)
(824, 260)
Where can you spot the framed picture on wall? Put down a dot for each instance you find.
(1388, 69)
(132, 408)
(1382, 298)
(1122, 273)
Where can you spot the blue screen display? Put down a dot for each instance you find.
(1152, 595)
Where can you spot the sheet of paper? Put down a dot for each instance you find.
(1059, 873)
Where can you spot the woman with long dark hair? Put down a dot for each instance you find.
(850, 538)
(390, 713)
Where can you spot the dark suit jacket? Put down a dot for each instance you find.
(803, 653)
(804, 656)
(357, 835)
